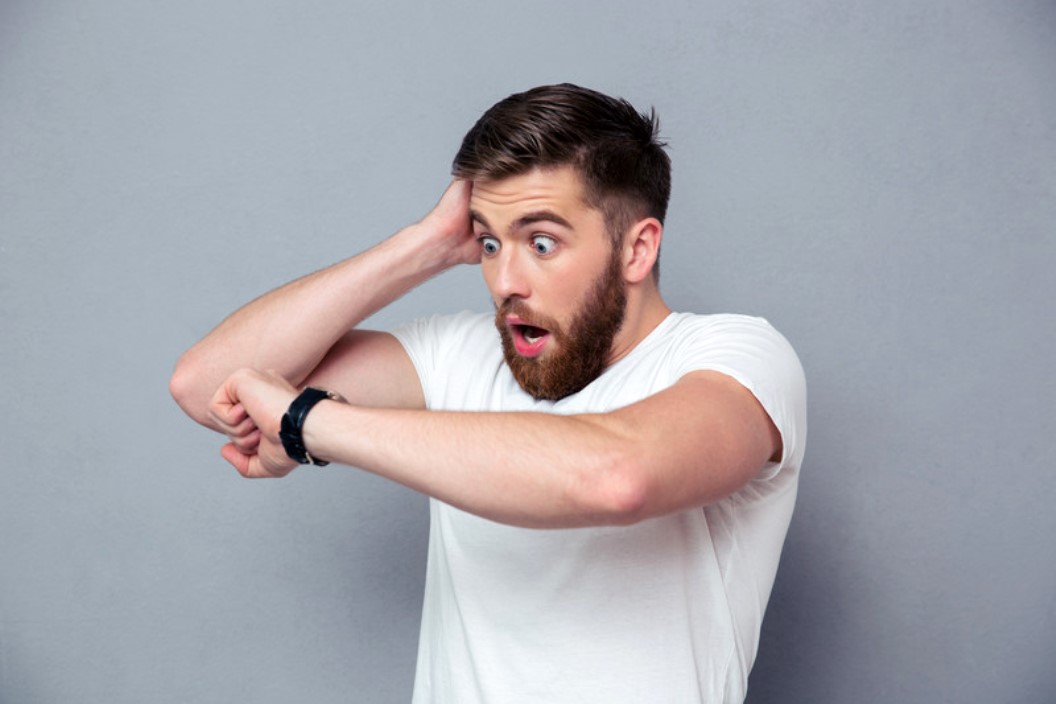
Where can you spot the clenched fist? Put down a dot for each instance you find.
(248, 407)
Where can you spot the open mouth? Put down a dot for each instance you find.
(531, 333)
(529, 340)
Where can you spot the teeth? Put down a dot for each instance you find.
(532, 334)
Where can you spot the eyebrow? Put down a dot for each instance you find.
(526, 219)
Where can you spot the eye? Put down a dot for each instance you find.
(543, 244)
(489, 245)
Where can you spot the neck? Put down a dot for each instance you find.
(645, 310)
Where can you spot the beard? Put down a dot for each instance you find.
(578, 355)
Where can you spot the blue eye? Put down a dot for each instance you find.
(489, 245)
(542, 244)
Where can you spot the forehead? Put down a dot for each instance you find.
(558, 190)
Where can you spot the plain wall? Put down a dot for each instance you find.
(878, 179)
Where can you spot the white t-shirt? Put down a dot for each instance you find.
(666, 610)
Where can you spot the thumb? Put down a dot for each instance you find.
(238, 459)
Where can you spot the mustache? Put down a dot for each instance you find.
(518, 308)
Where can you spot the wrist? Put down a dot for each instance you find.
(325, 431)
(435, 248)
(291, 431)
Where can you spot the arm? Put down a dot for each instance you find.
(301, 330)
(689, 445)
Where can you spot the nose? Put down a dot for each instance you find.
(507, 277)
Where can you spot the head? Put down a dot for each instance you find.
(625, 172)
(562, 176)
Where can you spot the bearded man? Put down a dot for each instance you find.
(611, 482)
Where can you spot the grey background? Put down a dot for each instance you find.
(877, 179)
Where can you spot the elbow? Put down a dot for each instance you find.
(186, 393)
(627, 505)
(619, 492)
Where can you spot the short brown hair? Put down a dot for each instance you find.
(626, 172)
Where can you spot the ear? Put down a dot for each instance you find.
(641, 247)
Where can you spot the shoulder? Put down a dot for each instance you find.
(689, 342)
(740, 340)
(720, 325)
(463, 327)
(458, 358)
(752, 352)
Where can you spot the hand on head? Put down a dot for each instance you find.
(449, 221)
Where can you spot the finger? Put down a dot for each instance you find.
(238, 459)
(252, 466)
(246, 427)
(247, 444)
(236, 413)
(225, 408)
(457, 190)
(454, 203)
(460, 189)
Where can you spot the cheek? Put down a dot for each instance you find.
(563, 300)
(488, 274)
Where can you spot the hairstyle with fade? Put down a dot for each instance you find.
(626, 172)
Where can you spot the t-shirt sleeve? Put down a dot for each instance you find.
(420, 339)
(431, 342)
(751, 351)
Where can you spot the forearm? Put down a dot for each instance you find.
(687, 446)
(290, 329)
(528, 469)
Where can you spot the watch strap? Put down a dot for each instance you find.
(292, 426)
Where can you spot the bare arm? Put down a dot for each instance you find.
(690, 445)
(302, 329)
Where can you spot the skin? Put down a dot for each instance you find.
(689, 445)
(504, 209)
(535, 266)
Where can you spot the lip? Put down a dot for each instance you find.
(524, 347)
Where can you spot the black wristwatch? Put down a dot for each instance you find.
(293, 424)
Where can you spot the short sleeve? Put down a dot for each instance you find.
(421, 339)
(448, 351)
(751, 351)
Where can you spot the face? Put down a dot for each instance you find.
(554, 276)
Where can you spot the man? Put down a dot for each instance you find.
(661, 450)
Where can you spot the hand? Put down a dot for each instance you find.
(448, 224)
(248, 407)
